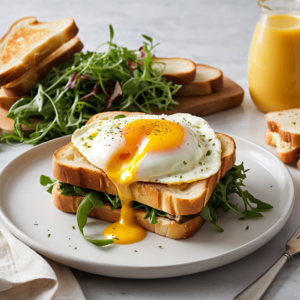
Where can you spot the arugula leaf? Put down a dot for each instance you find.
(151, 212)
(90, 201)
(231, 183)
(47, 181)
(114, 202)
(111, 32)
(67, 190)
(59, 99)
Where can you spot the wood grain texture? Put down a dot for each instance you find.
(230, 96)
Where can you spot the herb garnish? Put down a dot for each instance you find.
(77, 89)
(208, 153)
(229, 184)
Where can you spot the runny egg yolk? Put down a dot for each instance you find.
(141, 137)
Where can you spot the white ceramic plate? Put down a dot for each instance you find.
(23, 202)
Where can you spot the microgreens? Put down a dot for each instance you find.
(231, 183)
(77, 89)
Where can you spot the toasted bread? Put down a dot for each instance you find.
(285, 151)
(287, 124)
(6, 102)
(177, 70)
(207, 81)
(69, 166)
(7, 124)
(28, 42)
(23, 84)
(164, 227)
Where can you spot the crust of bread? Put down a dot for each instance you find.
(6, 102)
(7, 124)
(298, 164)
(178, 77)
(164, 227)
(204, 86)
(69, 166)
(28, 80)
(35, 51)
(274, 126)
(285, 151)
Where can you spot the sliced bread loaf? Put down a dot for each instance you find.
(176, 70)
(207, 81)
(287, 124)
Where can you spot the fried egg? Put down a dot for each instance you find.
(174, 149)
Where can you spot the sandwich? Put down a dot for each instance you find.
(28, 51)
(164, 174)
(284, 133)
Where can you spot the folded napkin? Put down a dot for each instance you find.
(25, 275)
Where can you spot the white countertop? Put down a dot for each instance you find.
(214, 32)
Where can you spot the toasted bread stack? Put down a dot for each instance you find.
(181, 202)
(284, 133)
(28, 51)
(196, 79)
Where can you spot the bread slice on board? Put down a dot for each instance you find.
(207, 81)
(69, 166)
(7, 124)
(23, 84)
(6, 102)
(286, 152)
(287, 124)
(28, 42)
(176, 70)
(164, 227)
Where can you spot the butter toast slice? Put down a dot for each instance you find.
(164, 227)
(28, 42)
(23, 84)
(287, 124)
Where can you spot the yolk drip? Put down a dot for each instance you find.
(141, 137)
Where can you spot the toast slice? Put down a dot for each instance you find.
(287, 124)
(7, 124)
(23, 84)
(164, 227)
(285, 151)
(177, 70)
(6, 102)
(69, 166)
(28, 42)
(207, 81)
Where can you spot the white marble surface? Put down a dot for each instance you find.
(215, 32)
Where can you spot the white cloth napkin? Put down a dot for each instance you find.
(25, 275)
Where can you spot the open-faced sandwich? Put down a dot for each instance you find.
(165, 174)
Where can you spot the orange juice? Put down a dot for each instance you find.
(274, 63)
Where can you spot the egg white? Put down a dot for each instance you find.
(198, 157)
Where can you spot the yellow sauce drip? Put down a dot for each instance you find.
(141, 137)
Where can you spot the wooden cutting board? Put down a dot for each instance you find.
(230, 96)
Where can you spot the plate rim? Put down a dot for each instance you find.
(70, 261)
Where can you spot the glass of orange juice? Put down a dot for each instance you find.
(274, 58)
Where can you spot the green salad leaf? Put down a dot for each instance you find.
(90, 201)
(86, 84)
(48, 182)
(231, 183)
